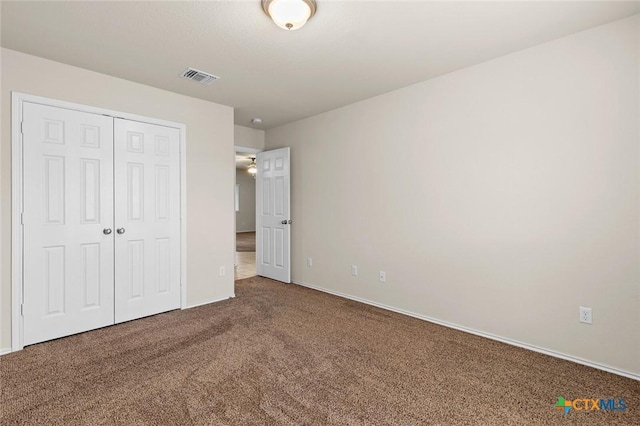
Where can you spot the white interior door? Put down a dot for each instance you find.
(273, 224)
(147, 220)
(68, 212)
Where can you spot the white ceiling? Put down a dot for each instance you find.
(349, 51)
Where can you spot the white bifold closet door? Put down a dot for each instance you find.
(68, 204)
(147, 206)
(101, 221)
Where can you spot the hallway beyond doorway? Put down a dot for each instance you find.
(245, 255)
(245, 241)
(246, 266)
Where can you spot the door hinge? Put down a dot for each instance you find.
(22, 127)
(22, 310)
(21, 218)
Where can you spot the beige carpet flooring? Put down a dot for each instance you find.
(245, 241)
(283, 354)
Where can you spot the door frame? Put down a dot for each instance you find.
(17, 243)
(243, 150)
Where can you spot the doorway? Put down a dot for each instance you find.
(245, 220)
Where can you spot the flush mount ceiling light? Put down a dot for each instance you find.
(289, 14)
(253, 168)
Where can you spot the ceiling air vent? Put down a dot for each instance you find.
(199, 76)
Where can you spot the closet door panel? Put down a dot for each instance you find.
(147, 205)
(68, 212)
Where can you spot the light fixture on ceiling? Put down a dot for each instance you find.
(289, 14)
(253, 167)
(257, 121)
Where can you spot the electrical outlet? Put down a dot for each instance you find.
(222, 271)
(383, 277)
(309, 262)
(585, 315)
(354, 270)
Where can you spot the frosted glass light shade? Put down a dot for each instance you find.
(289, 14)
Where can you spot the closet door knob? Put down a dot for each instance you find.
(106, 231)
(120, 231)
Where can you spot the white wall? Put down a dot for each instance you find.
(246, 216)
(247, 137)
(500, 197)
(210, 167)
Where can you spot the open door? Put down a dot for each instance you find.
(273, 235)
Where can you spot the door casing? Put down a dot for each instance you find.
(17, 246)
(240, 150)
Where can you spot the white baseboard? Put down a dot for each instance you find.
(210, 301)
(478, 333)
(5, 351)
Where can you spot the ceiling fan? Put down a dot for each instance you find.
(253, 167)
